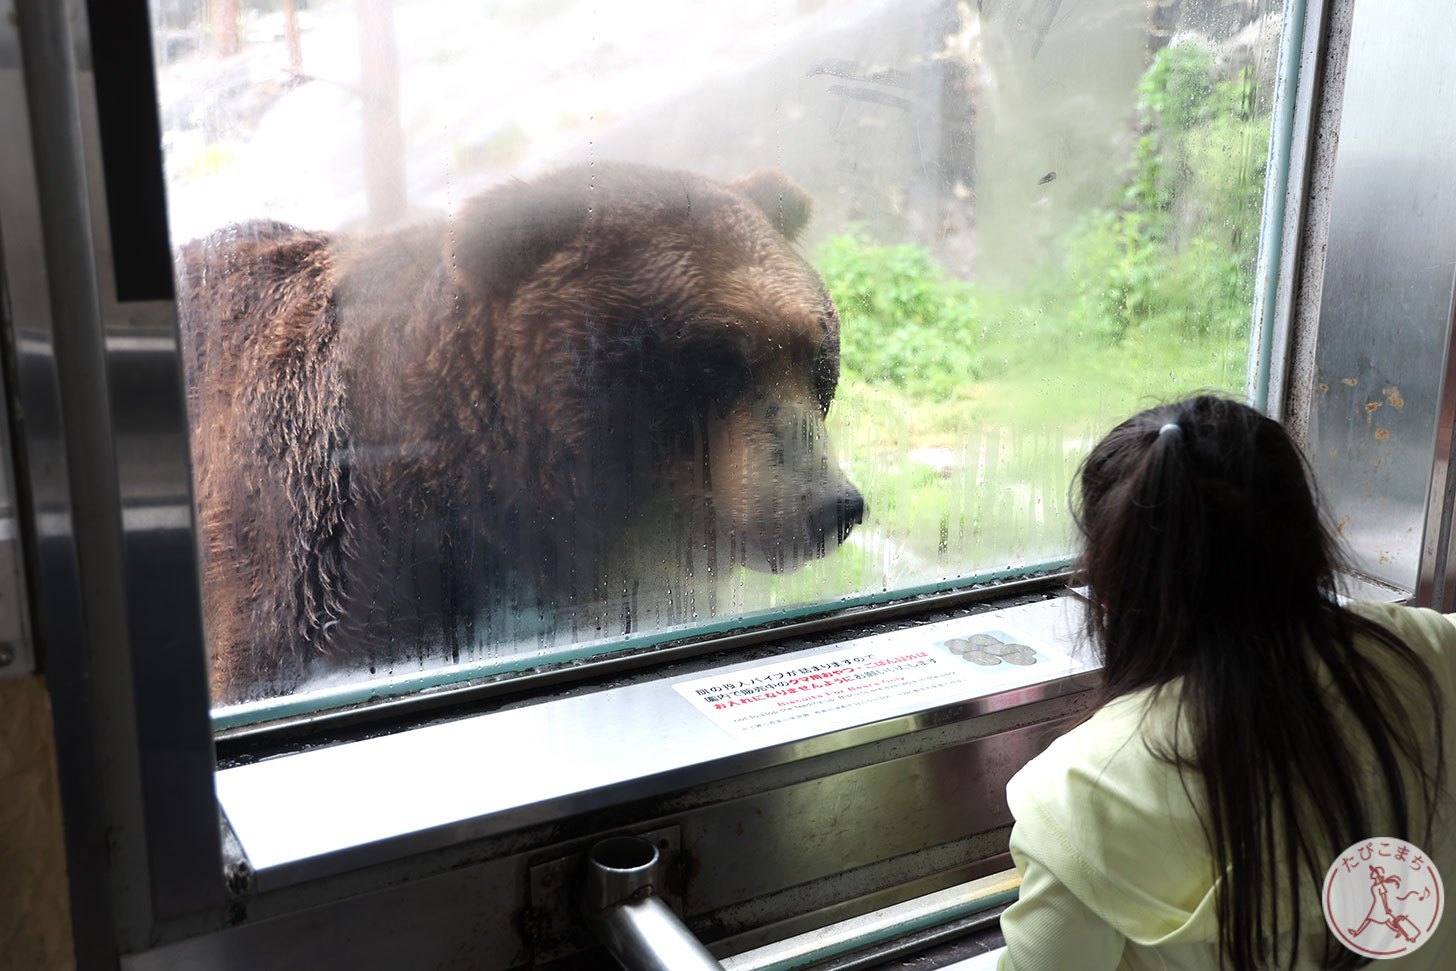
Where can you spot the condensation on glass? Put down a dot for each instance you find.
(518, 332)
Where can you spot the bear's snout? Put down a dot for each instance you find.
(777, 491)
(838, 516)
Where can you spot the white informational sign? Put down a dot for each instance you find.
(873, 678)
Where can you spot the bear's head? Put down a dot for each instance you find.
(658, 346)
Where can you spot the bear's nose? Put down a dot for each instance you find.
(851, 510)
(845, 511)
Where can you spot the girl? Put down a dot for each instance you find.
(1250, 727)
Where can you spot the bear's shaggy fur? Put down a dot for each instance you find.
(538, 404)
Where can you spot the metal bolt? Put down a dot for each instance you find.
(7, 654)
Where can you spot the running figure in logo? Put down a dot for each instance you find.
(1400, 924)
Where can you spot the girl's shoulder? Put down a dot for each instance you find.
(1121, 731)
(1117, 822)
(1430, 634)
(1116, 759)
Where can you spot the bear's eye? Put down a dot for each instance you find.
(720, 374)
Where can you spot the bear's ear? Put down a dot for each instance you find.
(787, 206)
(503, 236)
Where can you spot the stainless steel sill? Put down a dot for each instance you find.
(317, 813)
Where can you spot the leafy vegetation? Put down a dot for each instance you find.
(1177, 255)
(896, 302)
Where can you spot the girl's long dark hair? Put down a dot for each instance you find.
(1208, 562)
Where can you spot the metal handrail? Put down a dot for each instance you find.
(624, 911)
(931, 910)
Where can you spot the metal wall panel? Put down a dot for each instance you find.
(1386, 304)
(813, 830)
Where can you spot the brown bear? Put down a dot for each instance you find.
(575, 392)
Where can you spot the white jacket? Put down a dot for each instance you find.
(1116, 870)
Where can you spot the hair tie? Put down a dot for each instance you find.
(1171, 430)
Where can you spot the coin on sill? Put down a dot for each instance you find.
(984, 641)
(959, 645)
(1020, 657)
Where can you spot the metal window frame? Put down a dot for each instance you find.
(130, 699)
(1299, 88)
(104, 486)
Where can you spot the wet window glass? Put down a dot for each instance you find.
(518, 332)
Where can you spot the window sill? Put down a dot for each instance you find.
(313, 814)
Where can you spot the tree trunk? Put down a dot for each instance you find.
(384, 173)
(290, 32)
(223, 15)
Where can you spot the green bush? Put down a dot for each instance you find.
(1178, 87)
(1178, 254)
(905, 322)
